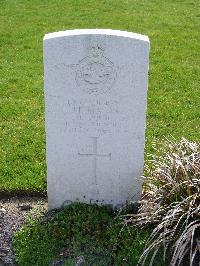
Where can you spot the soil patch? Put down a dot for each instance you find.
(13, 213)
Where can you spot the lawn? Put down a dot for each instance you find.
(173, 96)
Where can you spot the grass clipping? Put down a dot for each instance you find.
(171, 202)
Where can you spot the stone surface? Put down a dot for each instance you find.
(95, 98)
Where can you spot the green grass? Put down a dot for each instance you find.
(90, 231)
(173, 98)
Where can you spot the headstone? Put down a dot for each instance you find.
(95, 100)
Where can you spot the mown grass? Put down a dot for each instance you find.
(173, 98)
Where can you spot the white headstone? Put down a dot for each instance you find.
(95, 94)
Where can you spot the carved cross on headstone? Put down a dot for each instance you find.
(95, 155)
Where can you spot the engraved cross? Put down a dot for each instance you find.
(95, 156)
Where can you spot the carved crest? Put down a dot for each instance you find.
(95, 74)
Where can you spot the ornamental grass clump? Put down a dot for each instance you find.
(171, 203)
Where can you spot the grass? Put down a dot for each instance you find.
(88, 232)
(173, 98)
(173, 108)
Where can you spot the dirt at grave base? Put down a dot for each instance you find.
(13, 212)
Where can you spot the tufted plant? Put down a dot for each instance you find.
(171, 203)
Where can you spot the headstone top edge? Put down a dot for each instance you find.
(108, 32)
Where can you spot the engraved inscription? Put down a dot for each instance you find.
(95, 74)
(93, 118)
(94, 155)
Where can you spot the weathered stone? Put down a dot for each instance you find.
(95, 92)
